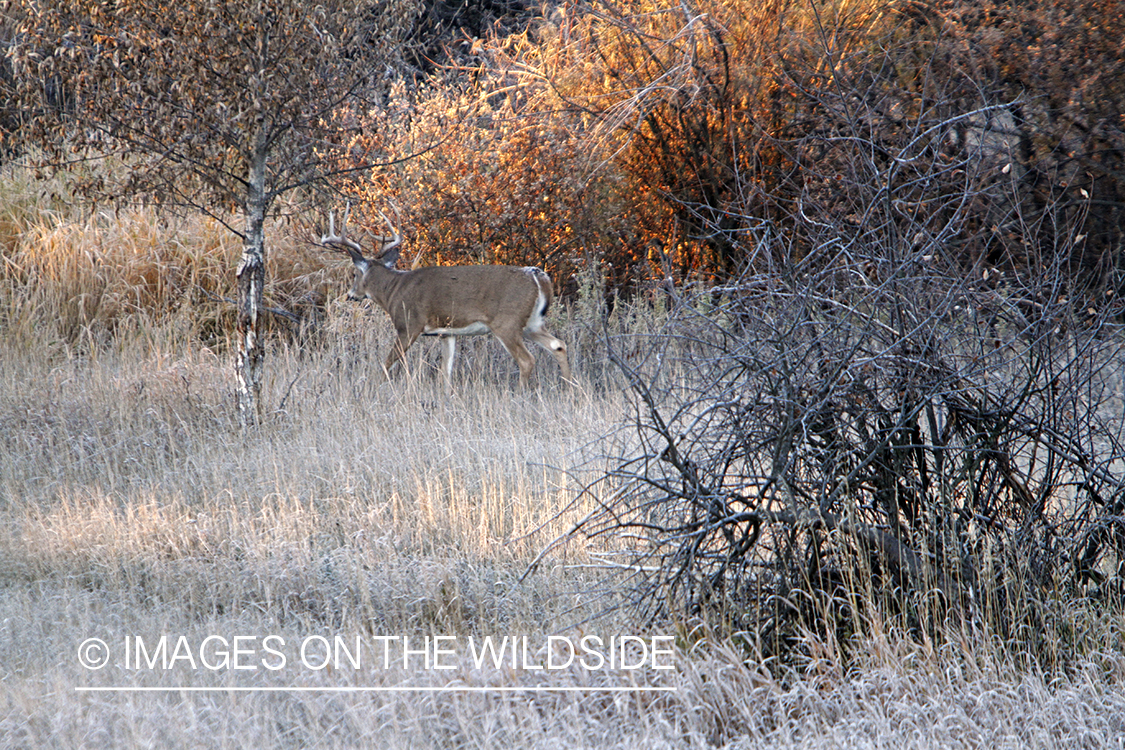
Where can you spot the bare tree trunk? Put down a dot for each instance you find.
(251, 277)
(251, 280)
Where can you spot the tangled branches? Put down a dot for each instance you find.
(803, 454)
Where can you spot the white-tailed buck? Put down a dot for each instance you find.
(452, 301)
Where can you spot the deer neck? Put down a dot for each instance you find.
(381, 283)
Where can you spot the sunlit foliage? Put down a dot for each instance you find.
(676, 140)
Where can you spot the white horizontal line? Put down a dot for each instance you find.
(403, 689)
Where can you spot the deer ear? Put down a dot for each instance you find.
(390, 257)
(362, 264)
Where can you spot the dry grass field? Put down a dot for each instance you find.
(367, 516)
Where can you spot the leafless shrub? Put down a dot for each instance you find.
(868, 432)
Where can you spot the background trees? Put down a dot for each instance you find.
(638, 141)
(668, 139)
(904, 405)
(216, 106)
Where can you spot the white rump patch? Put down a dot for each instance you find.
(535, 322)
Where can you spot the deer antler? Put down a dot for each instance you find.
(390, 244)
(351, 247)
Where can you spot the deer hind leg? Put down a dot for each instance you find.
(555, 347)
(448, 351)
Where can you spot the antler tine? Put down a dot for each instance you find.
(390, 244)
(398, 213)
(344, 223)
(395, 237)
(351, 247)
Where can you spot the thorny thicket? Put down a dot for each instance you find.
(807, 453)
(875, 423)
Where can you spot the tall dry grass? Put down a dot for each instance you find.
(76, 276)
(132, 504)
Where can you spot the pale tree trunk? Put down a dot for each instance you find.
(251, 280)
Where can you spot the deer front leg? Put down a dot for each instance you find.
(513, 343)
(406, 337)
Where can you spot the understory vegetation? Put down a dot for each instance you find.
(883, 512)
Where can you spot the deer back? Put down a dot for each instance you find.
(458, 296)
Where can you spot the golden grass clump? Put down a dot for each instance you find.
(70, 277)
